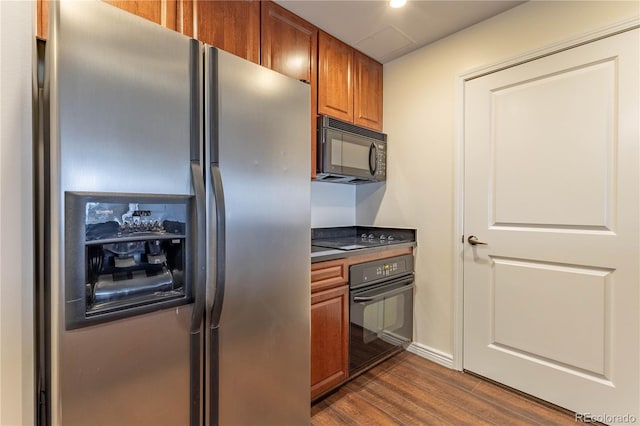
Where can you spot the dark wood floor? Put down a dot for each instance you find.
(409, 390)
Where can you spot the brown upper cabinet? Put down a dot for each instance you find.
(367, 92)
(349, 83)
(42, 14)
(233, 26)
(289, 45)
(335, 78)
(161, 12)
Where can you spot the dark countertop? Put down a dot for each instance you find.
(324, 241)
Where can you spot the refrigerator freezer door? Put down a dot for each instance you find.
(120, 96)
(257, 134)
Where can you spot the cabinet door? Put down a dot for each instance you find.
(42, 16)
(335, 79)
(367, 95)
(329, 339)
(233, 26)
(161, 12)
(289, 45)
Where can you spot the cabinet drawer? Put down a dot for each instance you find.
(325, 275)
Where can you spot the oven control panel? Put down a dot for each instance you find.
(377, 270)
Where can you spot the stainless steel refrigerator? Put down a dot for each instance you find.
(173, 231)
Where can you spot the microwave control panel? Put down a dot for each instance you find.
(381, 160)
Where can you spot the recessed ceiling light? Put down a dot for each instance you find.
(397, 3)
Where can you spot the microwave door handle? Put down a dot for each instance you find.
(373, 154)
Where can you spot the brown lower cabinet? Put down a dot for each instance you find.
(329, 325)
(330, 318)
(329, 339)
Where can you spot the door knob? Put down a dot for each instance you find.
(473, 240)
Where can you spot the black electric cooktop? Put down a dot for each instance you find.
(359, 237)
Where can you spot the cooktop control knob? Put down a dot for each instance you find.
(363, 236)
(371, 236)
(390, 238)
(383, 237)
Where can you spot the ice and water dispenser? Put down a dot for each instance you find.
(126, 254)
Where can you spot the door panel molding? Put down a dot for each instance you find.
(532, 310)
(585, 196)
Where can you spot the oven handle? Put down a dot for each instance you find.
(384, 281)
(383, 294)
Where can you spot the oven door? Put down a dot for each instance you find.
(381, 321)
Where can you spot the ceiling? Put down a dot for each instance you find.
(385, 34)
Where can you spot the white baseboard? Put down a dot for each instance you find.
(432, 354)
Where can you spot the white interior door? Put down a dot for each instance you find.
(551, 302)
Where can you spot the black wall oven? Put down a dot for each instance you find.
(381, 310)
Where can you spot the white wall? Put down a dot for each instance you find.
(420, 107)
(16, 237)
(332, 204)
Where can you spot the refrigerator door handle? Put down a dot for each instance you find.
(199, 288)
(197, 179)
(218, 195)
(200, 249)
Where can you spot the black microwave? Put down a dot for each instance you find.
(349, 153)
